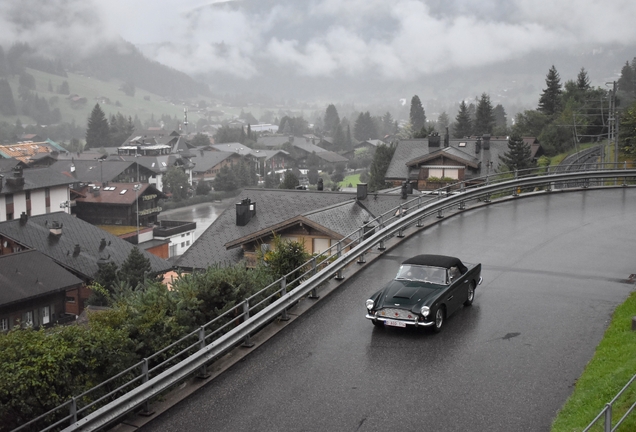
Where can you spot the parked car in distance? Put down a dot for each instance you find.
(425, 292)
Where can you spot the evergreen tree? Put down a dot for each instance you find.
(387, 124)
(627, 130)
(120, 129)
(443, 122)
(332, 120)
(417, 115)
(550, 100)
(463, 124)
(582, 80)
(290, 181)
(135, 269)
(626, 81)
(27, 80)
(225, 180)
(348, 137)
(381, 161)
(200, 140)
(7, 103)
(176, 182)
(518, 155)
(484, 116)
(64, 88)
(98, 130)
(501, 121)
(365, 128)
(339, 139)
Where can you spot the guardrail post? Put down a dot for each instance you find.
(313, 294)
(419, 223)
(361, 259)
(247, 343)
(624, 178)
(203, 372)
(339, 254)
(440, 213)
(283, 291)
(144, 379)
(515, 191)
(73, 410)
(400, 233)
(608, 418)
(381, 225)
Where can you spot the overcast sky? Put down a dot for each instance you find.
(396, 39)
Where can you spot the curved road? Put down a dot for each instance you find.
(554, 269)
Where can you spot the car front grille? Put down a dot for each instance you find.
(402, 314)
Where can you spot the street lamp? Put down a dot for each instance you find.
(136, 188)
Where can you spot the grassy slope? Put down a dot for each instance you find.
(92, 89)
(613, 365)
(352, 179)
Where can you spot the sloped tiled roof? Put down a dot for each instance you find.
(34, 178)
(30, 274)
(117, 194)
(158, 164)
(405, 151)
(25, 151)
(273, 141)
(88, 171)
(272, 207)
(205, 160)
(335, 211)
(237, 148)
(452, 153)
(35, 234)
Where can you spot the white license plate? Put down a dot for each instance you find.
(395, 323)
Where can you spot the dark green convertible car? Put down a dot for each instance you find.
(426, 291)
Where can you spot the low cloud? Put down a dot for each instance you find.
(399, 40)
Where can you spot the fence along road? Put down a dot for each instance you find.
(210, 345)
(554, 269)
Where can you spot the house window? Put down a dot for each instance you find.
(4, 324)
(70, 299)
(8, 198)
(182, 244)
(27, 195)
(28, 319)
(188, 243)
(46, 315)
(320, 245)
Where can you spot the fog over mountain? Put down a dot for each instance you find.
(348, 51)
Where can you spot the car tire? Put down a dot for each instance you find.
(378, 323)
(471, 294)
(440, 318)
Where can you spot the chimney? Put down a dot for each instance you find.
(102, 244)
(95, 191)
(446, 138)
(320, 185)
(403, 190)
(486, 141)
(434, 140)
(56, 228)
(1, 181)
(76, 251)
(478, 145)
(244, 212)
(17, 180)
(23, 218)
(361, 192)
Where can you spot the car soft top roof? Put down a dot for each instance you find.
(437, 261)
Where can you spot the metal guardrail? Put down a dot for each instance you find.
(606, 412)
(190, 355)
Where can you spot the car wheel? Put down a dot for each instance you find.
(440, 317)
(378, 323)
(471, 294)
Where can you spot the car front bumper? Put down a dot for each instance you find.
(407, 322)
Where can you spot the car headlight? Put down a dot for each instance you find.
(370, 304)
(425, 311)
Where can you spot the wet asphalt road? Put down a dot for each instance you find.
(554, 269)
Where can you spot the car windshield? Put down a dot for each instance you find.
(436, 275)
